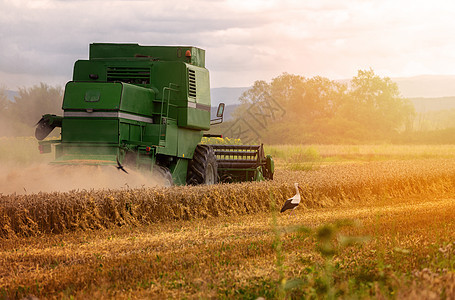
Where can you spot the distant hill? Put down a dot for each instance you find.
(228, 110)
(426, 92)
(228, 95)
(440, 88)
(427, 86)
(422, 104)
(429, 92)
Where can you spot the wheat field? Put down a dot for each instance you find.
(354, 184)
(366, 228)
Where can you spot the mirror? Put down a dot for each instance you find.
(219, 115)
(220, 110)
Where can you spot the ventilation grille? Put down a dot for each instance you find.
(191, 84)
(128, 75)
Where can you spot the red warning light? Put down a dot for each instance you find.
(188, 53)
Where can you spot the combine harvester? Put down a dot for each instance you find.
(147, 107)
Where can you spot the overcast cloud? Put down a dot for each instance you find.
(245, 40)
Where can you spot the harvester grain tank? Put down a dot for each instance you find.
(147, 107)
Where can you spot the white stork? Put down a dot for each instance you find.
(293, 202)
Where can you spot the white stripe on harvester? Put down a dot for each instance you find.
(198, 106)
(107, 114)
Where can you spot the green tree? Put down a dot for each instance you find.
(9, 125)
(307, 98)
(256, 93)
(18, 117)
(287, 89)
(253, 95)
(32, 103)
(377, 104)
(4, 101)
(319, 110)
(322, 98)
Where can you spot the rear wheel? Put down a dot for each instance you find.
(203, 168)
(163, 175)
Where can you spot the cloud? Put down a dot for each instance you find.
(245, 40)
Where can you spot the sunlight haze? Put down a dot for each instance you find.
(245, 40)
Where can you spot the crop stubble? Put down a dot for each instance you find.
(223, 250)
(233, 256)
(351, 184)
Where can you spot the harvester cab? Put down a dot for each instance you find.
(147, 107)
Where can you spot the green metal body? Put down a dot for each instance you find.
(145, 104)
(135, 105)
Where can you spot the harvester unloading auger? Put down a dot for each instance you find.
(147, 107)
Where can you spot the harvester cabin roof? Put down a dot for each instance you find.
(187, 54)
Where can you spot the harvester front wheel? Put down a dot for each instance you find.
(203, 168)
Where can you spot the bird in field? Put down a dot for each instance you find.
(293, 202)
(120, 167)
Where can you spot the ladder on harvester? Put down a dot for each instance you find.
(164, 119)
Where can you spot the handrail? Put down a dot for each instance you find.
(169, 89)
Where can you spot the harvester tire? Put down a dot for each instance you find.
(163, 174)
(203, 168)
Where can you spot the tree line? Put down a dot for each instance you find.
(18, 117)
(366, 109)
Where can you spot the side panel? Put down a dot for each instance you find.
(202, 86)
(89, 95)
(195, 113)
(194, 118)
(83, 69)
(137, 100)
(169, 139)
(151, 134)
(130, 131)
(90, 130)
(88, 154)
(187, 142)
(171, 75)
(179, 171)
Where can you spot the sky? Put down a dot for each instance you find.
(245, 40)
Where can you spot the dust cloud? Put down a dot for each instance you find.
(53, 178)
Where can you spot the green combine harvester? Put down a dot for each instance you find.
(147, 107)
